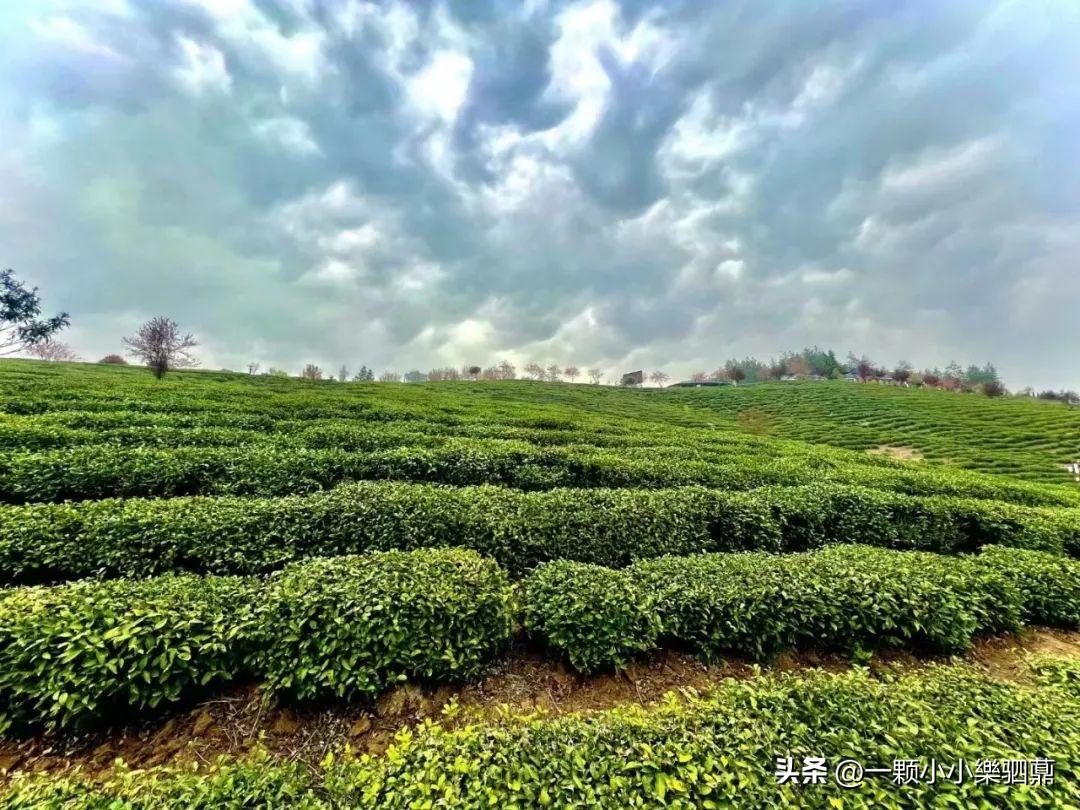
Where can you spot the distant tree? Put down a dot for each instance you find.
(659, 377)
(719, 375)
(507, 370)
(20, 327)
(994, 388)
(595, 374)
(572, 373)
(343, 373)
(902, 372)
(553, 373)
(443, 375)
(276, 372)
(535, 371)
(253, 368)
(736, 373)
(931, 379)
(113, 360)
(699, 377)
(365, 374)
(161, 346)
(389, 376)
(954, 372)
(863, 367)
(798, 366)
(415, 376)
(54, 351)
(311, 372)
(473, 372)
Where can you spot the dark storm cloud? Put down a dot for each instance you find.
(404, 184)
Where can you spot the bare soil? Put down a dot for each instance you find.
(900, 453)
(235, 722)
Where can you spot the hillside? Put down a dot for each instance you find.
(218, 563)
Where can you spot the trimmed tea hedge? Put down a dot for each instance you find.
(851, 598)
(89, 472)
(77, 653)
(74, 654)
(715, 750)
(49, 542)
(349, 626)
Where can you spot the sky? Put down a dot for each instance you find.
(606, 184)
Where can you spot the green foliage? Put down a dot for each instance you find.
(44, 542)
(849, 598)
(350, 626)
(714, 750)
(1049, 584)
(595, 615)
(75, 653)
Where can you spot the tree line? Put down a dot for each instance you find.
(162, 346)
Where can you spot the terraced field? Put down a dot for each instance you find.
(1019, 437)
(326, 553)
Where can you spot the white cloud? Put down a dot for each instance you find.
(202, 70)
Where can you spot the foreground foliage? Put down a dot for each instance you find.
(715, 750)
(75, 655)
(348, 627)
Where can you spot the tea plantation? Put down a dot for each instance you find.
(163, 540)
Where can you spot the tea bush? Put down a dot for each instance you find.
(851, 598)
(350, 626)
(73, 654)
(47, 542)
(717, 749)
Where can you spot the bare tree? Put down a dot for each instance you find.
(20, 327)
(389, 376)
(699, 377)
(343, 373)
(719, 375)
(253, 368)
(535, 371)
(507, 370)
(161, 346)
(595, 375)
(659, 377)
(54, 351)
(311, 372)
(572, 373)
(553, 373)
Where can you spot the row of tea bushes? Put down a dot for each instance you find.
(91, 472)
(349, 626)
(610, 527)
(713, 750)
(850, 598)
(75, 654)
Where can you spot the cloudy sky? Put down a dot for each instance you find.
(627, 184)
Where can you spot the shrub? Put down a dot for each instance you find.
(718, 749)
(850, 598)
(76, 653)
(47, 542)
(352, 625)
(596, 616)
(1049, 584)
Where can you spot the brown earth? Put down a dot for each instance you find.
(899, 453)
(235, 722)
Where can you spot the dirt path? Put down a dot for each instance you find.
(236, 721)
